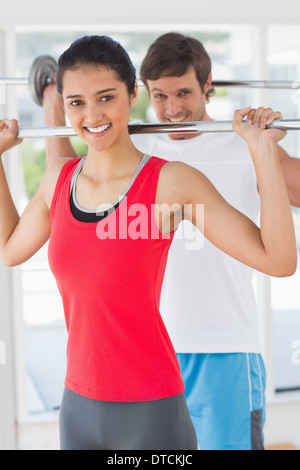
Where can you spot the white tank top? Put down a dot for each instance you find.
(208, 302)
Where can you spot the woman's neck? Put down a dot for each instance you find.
(115, 162)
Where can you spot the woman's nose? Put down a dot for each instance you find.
(93, 114)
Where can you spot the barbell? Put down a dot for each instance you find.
(41, 75)
(44, 67)
(158, 128)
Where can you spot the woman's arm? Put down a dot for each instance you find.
(270, 248)
(21, 237)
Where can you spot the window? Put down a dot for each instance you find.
(284, 64)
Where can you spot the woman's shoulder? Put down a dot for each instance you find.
(176, 171)
(51, 176)
(177, 181)
(59, 163)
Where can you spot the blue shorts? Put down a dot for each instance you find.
(226, 399)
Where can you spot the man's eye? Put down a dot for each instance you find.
(159, 96)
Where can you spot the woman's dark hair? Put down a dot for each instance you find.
(173, 54)
(99, 51)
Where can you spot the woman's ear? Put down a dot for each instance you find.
(134, 95)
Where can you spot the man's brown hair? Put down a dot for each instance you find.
(173, 54)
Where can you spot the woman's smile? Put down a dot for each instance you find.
(98, 131)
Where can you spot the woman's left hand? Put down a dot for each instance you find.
(254, 127)
(8, 134)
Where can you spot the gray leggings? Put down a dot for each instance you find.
(87, 424)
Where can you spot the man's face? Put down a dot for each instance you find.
(179, 99)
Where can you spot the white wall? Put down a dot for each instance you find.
(283, 423)
(155, 11)
(9, 278)
(7, 385)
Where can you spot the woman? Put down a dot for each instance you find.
(123, 388)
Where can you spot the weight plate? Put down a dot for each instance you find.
(40, 75)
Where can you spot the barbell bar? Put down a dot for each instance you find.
(158, 128)
(280, 84)
(45, 66)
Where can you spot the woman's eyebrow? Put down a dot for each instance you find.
(104, 91)
(100, 92)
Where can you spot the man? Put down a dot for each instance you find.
(207, 302)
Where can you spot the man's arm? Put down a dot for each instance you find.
(290, 166)
(291, 172)
(54, 115)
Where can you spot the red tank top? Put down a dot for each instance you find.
(109, 275)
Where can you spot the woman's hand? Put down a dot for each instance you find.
(9, 134)
(253, 129)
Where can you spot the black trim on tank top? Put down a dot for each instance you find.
(89, 217)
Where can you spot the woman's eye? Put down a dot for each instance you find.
(76, 103)
(106, 98)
